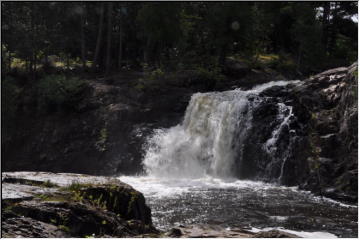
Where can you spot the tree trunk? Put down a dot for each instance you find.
(333, 29)
(99, 36)
(9, 61)
(83, 51)
(120, 44)
(68, 62)
(147, 52)
(108, 47)
(325, 24)
(222, 55)
(31, 64)
(35, 62)
(32, 44)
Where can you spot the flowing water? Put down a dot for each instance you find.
(191, 172)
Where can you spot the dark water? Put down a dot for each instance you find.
(244, 204)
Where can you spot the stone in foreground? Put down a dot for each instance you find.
(39, 204)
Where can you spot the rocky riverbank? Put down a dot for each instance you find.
(105, 132)
(56, 205)
(39, 204)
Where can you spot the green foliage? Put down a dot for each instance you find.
(49, 184)
(101, 142)
(171, 36)
(60, 91)
(75, 186)
(156, 76)
(152, 80)
(77, 196)
(345, 49)
(212, 75)
(10, 95)
(64, 228)
(90, 236)
(43, 197)
(133, 199)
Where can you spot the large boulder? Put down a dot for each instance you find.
(314, 147)
(39, 204)
(331, 99)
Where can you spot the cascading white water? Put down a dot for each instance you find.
(204, 143)
(285, 113)
(188, 167)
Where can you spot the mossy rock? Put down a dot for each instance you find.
(74, 205)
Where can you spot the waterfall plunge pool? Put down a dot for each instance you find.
(237, 203)
(188, 168)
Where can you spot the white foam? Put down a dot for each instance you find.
(211, 136)
(162, 187)
(302, 234)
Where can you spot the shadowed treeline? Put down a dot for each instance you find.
(107, 36)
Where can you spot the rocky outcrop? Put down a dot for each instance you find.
(316, 148)
(57, 205)
(105, 131)
(39, 204)
(102, 134)
(331, 100)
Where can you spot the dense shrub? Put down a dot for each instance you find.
(10, 96)
(152, 80)
(210, 76)
(56, 91)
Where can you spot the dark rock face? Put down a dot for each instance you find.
(273, 150)
(317, 147)
(332, 132)
(71, 205)
(28, 228)
(101, 135)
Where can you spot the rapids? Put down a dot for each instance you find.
(245, 204)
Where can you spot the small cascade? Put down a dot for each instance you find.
(285, 113)
(210, 141)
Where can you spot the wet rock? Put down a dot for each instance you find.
(174, 232)
(316, 147)
(25, 227)
(274, 234)
(216, 231)
(209, 231)
(71, 205)
(333, 131)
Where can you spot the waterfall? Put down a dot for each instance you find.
(210, 139)
(284, 114)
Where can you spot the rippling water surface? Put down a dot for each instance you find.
(237, 203)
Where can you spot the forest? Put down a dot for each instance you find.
(179, 119)
(111, 36)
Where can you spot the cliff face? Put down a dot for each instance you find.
(306, 135)
(101, 135)
(331, 100)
